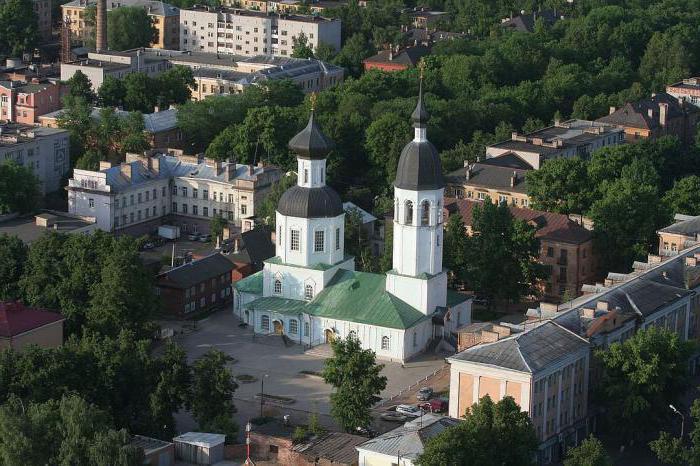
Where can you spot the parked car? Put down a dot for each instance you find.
(409, 410)
(424, 394)
(205, 238)
(435, 405)
(393, 416)
(193, 237)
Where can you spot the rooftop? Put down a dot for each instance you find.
(646, 113)
(260, 14)
(507, 172)
(551, 226)
(16, 319)
(148, 444)
(334, 447)
(254, 247)
(201, 439)
(153, 7)
(685, 225)
(409, 56)
(689, 83)
(163, 120)
(27, 229)
(195, 272)
(526, 22)
(12, 134)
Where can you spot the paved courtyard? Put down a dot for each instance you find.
(267, 358)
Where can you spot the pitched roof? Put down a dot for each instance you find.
(409, 439)
(491, 173)
(690, 227)
(352, 296)
(529, 351)
(550, 226)
(335, 447)
(526, 23)
(637, 114)
(192, 273)
(409, 56)
(255, 246)
(251, 284)
(16, 319)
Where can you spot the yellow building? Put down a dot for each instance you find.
(166, 19)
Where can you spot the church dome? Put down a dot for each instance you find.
(303, 202)
(419, 167)
(310, 143)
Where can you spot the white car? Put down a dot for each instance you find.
(409, 410)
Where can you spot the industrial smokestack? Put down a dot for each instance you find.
(101, 26)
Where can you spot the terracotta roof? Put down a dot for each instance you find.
(16, 319)
(550, 226)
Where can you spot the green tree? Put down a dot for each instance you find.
(455, 247)
(356, 379)
(175, 85)
(18, 23)
(491, 433)
(13, 255)
(212, 394)
(76, 118)
(353, 52)
(80, 87)
(19, 188)
(172, 389)
(666, 59)
(301, 47)
(560, 185)
(641, 377)
(589, 453)
(216, 226)
(670, 449)
(356, 241)
(266, 211)
(684, 197)
(111, 93)
(501, 254)
(130, 27)
(140, 91)
(324, 51)
(385, 139)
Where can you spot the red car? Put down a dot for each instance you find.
(435, 405)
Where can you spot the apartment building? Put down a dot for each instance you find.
(688, 90)
(566, 247)
(681, 234)
(42, 8)
(660, 115)
(565, 139)
(196, 286)
(502, 179)
(25, 102)
(166, 19)
(158, 188)
(214, 74)
(244, 32)
(45, 151)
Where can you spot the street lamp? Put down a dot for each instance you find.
(248, 428)
(262, 393)
(673, 408)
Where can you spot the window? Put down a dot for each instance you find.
(131, 217)
(139, 198)
(174, 190)
(116, 221)
(308, 292)
(265, 322)
(194, 210)
(184, 208)
(184, 191)
(162, 192)
(319, 240)
(293, 327)
(294, 246)
(244, 209)
(481, 196)
(154, 211)
(408, 213)
(116, 203)
(205, 194)
(337, 239)
(91, 202)
(205, 211)
(425, 213)
(195, 191)
(277, 287)
(550, 252)
(385, 343)
(415, 339)
(306, 329)
(174, 207)
(155, 194)
(131, 199)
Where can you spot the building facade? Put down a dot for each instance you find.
(165, 17)
(42, 8)
(396, 58)
(688, 90)
(22, 102)
(310, 290)
(150, 190)
(244, 32)
(45, 151)
(196, 287)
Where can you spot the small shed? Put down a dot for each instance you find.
(200, 447)
(156, 452)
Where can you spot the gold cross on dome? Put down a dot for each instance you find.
(312, 99)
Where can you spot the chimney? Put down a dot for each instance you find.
(219, 167)
(101, 26)
(513, 178)
(251, 170)
(650, 113)
(154, 164)
(612, 110)
(231, 170)
(236, 244)
(125, 170)
(105, 164)
(602, 305)
(588, 313)
(468, 173)
(663, 113)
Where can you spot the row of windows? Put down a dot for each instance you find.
(308, 289)
(186, 190)
(202, 286)
(192, 305)
(408, 212)
(319, 240)
(482, 195)
(140, 215)
(194, 210)
(138, 198)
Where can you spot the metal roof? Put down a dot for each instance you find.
(195, 272)
(201, 439)
(310, 142)
(301, 202)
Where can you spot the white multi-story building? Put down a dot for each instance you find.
(146, 191)
(244, 32)
(45, 151)
(310, 290)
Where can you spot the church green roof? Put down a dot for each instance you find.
(352, 296)
(455, 297)
(250, 284)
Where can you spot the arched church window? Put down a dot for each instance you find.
(408, 215)
(425, 213)
(385, 343)
(308, 292)
(277, 288)
(265, 322)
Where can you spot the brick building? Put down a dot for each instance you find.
(21, 326)
(688, 90)
(566, 248)
(248, 251)
(396, 59)
(196, 286)
(660, 115)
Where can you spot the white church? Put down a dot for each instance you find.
(310, 290)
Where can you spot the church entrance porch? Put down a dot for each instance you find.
(329, 335)
(278, 327)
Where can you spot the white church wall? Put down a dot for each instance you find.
(423, 294)
(294, 281)
(240, 299)
(461, 314)
(332, 228)
(416, 345)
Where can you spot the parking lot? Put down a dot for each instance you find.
(285, 370)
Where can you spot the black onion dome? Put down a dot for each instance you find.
(419, 167)
(302, 202)
(310, 142)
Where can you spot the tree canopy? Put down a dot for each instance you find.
(19, 27)
(19, 188)
(130, 27)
